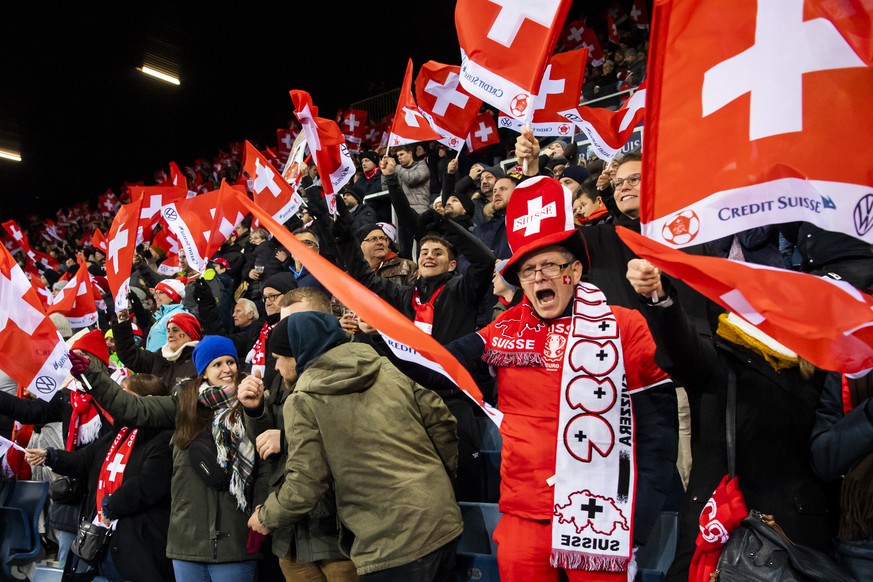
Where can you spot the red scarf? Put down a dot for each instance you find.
(424, 311)
(722, 514)
(114, 465)
(596, 215)
(258, 355)
(85, 422)
(369, 175)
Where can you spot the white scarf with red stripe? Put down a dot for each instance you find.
(114, 466)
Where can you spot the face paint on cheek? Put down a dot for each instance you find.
(567, 280)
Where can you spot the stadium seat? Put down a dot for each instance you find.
(477, 552)
(654, 558)
(491, 460)
(491, 439)
(20, 543)
(47, 574)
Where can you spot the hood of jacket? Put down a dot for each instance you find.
(344, 369)
(310, 334)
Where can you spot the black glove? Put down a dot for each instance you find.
(431, 221)
(80, 363)
(315, 203)
(202, 291)
(341, 230)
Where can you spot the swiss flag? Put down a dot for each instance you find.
(284, 141)
(750, 98)
(327, 144)
(31, 349)
(610, 130)
(638, 14)
(107, 203)
(78, 299)
(295, 165)
(779, 303)
(52, 231)
(204, 222)
(177, 178)
(151, 199)
(271, 191)
(505, 46)
(374, 133)
(45, 295)
(98, 241)
(613, 31)
(573, 35)
(409, 125)
(448, 107)
(122, 241)
(559, 89)
(354, 126)
(483, 132)
(13, 230)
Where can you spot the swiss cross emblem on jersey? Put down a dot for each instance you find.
(791, 79)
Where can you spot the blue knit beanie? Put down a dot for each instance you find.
(211, 347)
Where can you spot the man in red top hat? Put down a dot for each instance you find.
(589, 427)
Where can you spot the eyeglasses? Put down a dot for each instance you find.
(549, 271)
(271, 298)
(632, 181)
(375, 239)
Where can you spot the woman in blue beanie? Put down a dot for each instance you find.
(214, 462)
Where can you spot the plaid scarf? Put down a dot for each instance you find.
(233, 444)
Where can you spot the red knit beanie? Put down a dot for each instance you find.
(94, 343)
(187, 323)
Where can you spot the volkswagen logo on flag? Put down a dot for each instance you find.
(863, 215)
(45, 384)
(170, 214)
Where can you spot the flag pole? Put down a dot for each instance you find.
(528, 125)
(458, 155)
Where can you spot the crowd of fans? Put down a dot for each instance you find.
(242, 423)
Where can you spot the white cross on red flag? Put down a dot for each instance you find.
(78, 299)
(13, 230)
(483, 132)
(610, 130)
(270, 190)
(284, 141)
(152, 198)
(779, 303)
(560, 89)
(639, 15)
(613, 30)
(409, 125)
(354, 127)
(750, 98)
(98, 241)
(204, 222)
(505, 46)
(120, 248)
(327, 145)
(46, 297)
(448, 107)
(31, 349)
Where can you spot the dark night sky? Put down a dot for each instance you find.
(87, 120)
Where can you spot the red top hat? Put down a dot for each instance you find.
(540, 214)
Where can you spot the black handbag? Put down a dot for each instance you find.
(66, 490)
(758, 549)
(91, 541)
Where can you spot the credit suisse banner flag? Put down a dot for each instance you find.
(401, 335)
(741, 106)
(448, 107)
(778, 302)
(505, 46)
(609, 130)
(204, 222)
(31, 349)
(559, 89)
(78, 299)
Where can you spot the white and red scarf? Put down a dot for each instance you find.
(257, 356)
(595, 472)
(424, 312)
(85, 421)
(114, 465)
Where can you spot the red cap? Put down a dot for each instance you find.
(94, 343)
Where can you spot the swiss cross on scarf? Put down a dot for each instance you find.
(114, 465)
(258, 354)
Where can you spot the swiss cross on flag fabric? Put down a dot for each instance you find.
(31, 349)
(409, 125)
(122, 241)
(446, 105)
(152, 198)
(326, 143)
(750, 98)
(13, 230)
(78, 299)
(613, 30)
(483, 132)
(204, 222)
(610, 130)
(505, 45)
(45, 295)
(559, 89)
(354, 127)
(98, 241)
(284, 141)
(573, 35)
(638, 14)
(779, 303)
(271, 191)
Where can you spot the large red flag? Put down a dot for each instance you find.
(121, 246)
(327, 144)
(400, 332)
(271, 191)
(559, 89)
(204, 222)
(779, 303)
(483, 132)
(151, 199)
(31, 349)
(505, 46)
(610, 130)
(748, 99)
(13, 230)
(78, 299)
(448, 107)
(409, 124)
